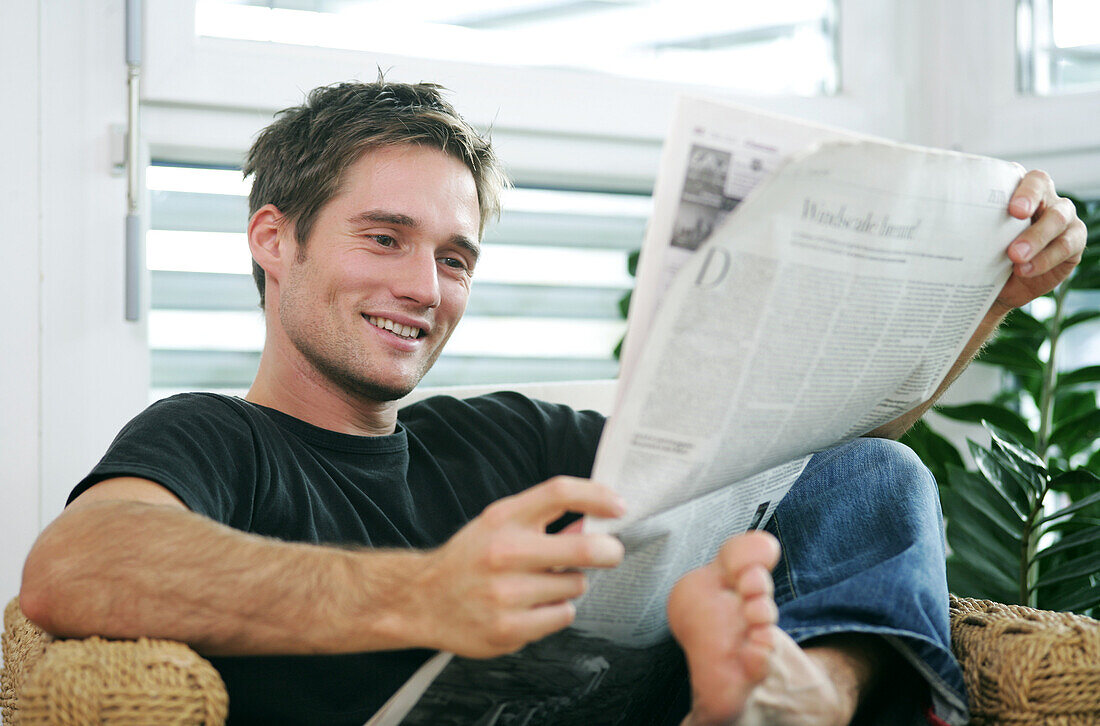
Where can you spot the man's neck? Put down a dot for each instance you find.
(299, 391)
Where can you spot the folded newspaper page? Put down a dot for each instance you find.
(799, 287)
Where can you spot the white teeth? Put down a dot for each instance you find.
(405, 331)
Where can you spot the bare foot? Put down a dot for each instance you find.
(745, 671)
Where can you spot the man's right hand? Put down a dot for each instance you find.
(501, 581)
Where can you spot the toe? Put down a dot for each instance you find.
(759, 611)
(749, 550)
(754, 581)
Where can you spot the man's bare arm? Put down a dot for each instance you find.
(1043, 256)
(145, 566)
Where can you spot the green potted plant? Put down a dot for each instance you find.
(1023, 520)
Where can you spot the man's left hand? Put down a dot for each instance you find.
(1045, 253)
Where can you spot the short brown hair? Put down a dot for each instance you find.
(298, 162)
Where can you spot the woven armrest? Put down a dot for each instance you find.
(1027, 666)
(47, 681)
(1021, 666)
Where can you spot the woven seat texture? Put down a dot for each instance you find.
(97, 681)
(1021, 665)
(1027, 666)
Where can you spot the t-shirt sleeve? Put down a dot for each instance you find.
(560, 439)
(198, 447)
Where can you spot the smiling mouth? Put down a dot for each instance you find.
(402, 331)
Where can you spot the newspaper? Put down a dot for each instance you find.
(764, 327)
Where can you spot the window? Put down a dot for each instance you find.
(1058, 46)
(790, 47)
(583, 148)
(545, 302)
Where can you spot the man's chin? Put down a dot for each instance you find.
(386, 393)
(380, 391)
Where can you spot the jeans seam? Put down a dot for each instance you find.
(786, 558)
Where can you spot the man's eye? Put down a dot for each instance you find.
(383, 240)
(454, 262)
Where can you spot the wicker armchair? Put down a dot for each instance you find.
(1022, 666)
(47, 681)
(1027, 666)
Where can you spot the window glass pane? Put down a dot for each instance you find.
(790, 47)
(544, 306)
(1059, 46)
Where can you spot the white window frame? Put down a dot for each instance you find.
(969, 98)
(581, 112)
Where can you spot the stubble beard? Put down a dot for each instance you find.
(350, 380)
(340, 360)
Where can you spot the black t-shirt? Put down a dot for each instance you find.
(259, 470)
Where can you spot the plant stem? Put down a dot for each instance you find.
(1028, 571)
(1050, 372)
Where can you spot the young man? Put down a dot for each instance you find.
(317, 545)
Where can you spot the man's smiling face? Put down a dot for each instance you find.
(385, 275)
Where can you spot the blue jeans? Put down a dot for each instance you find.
(863, 552)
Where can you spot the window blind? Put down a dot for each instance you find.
(544, 306)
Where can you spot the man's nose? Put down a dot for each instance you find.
(418, 280)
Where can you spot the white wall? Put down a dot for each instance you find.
(73, 371)
(20, 293)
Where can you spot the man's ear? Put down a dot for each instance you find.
(269, 242)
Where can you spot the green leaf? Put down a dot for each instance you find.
(1021, 323)
(1071, 508)
(1088, 374)
(1069, 541)
(997, 567)
(971, 546)
(1005, 418)
(632, 262)
(963, 514)
(1077, 483)
(1036, 476)
(1012, 354)
(1069, 405)
(1016, 459)
(1074, 524)
(1014, 447)
(994, 499)
(1082, 316)
(1077, 433)
(1077, 601)
(624, 303)
(1077, 476)
(964, 580)
(1085, 565)
(1088, 271)
(1087, 276)
(1092, 226)
(1030, 384)
(1013, 483)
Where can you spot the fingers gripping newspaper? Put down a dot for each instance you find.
(764, 327)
